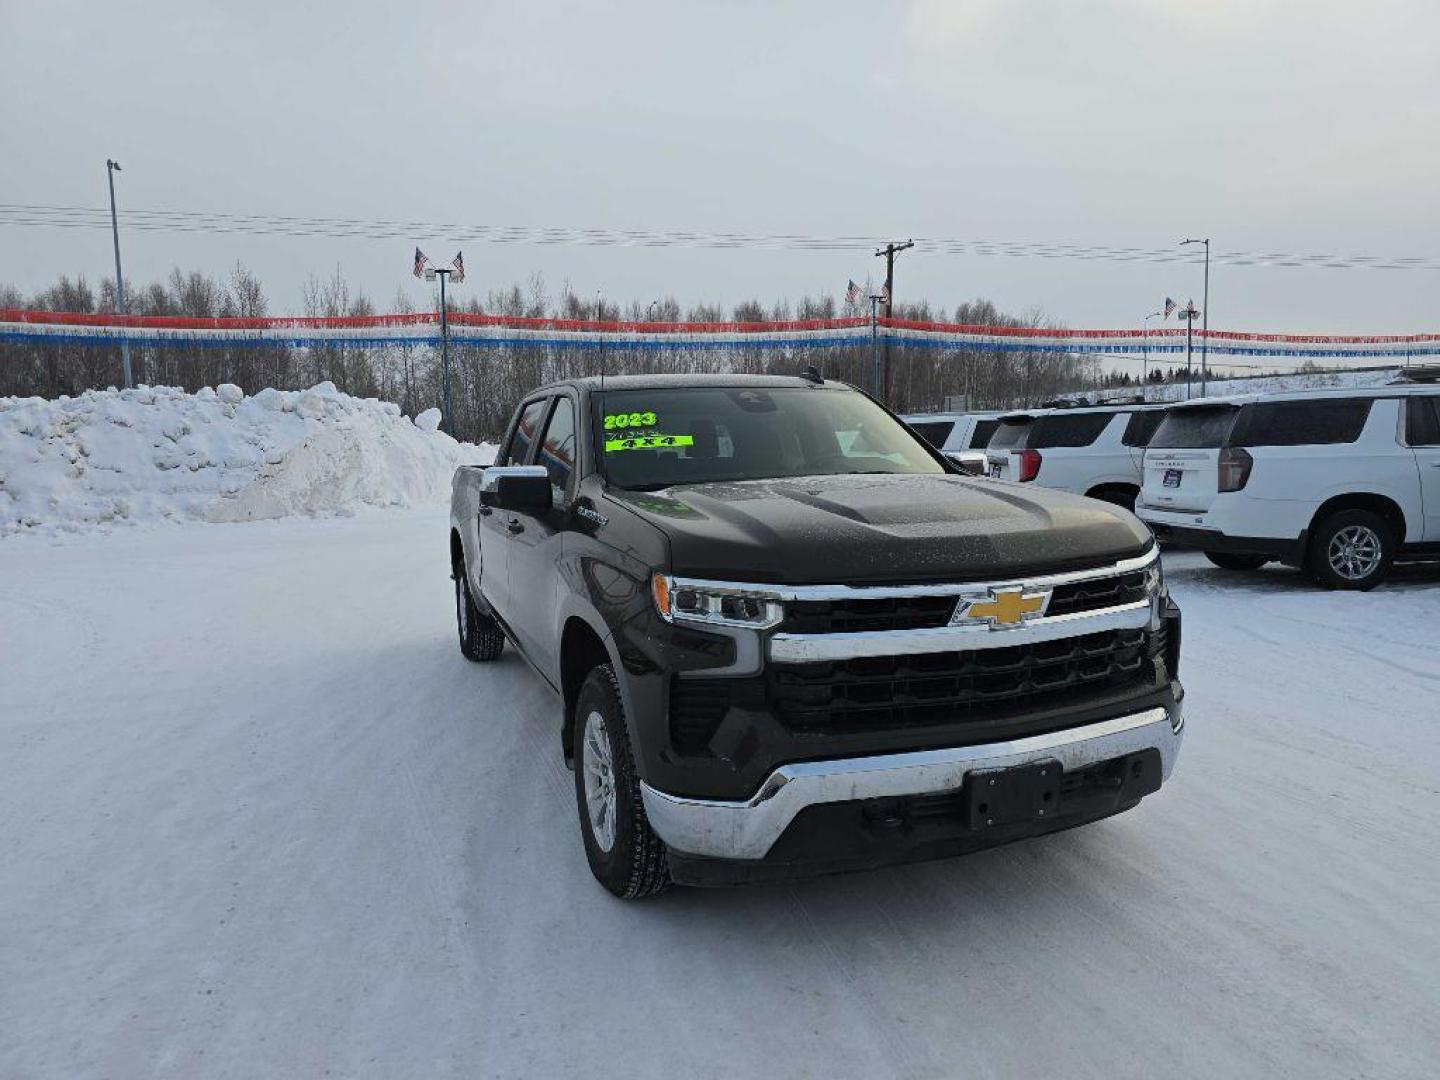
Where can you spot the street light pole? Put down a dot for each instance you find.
(442, 273)
(1204, 319)
(111, 168)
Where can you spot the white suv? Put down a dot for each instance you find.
(1090, 451)
(961, 437)
(1338, 482)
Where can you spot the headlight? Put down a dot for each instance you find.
(1154, 579)
(714, 603)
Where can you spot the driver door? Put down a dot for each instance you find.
(536, 541)
(495, 534)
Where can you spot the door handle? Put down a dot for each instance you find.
(515, 525)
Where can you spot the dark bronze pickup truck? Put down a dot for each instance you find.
(790, 638)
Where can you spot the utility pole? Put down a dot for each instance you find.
(1145, 364)
(890, 250)
(1189, 316)
(874, 346)
(1205, 319)
(111, 168)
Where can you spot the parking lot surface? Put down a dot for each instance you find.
(262, 819)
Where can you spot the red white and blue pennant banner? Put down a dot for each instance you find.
(378, 331)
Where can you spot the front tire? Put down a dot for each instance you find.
(1353, 549)
(1229, 561)
(481, 639)
(624, 853)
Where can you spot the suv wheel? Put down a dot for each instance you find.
(1228, 561)
(480, 636)
(624, 853)
(1352, 550)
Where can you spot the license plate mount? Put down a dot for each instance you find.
(998, 797)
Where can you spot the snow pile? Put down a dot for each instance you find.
(158, 453)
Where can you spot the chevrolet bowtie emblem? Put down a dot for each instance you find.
(1002, 608)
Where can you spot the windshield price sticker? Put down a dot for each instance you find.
(614, 421)
(647, 442)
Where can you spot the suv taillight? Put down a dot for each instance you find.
(1235, 465)
(1029, 464)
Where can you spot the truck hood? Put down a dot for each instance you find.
(871, 529)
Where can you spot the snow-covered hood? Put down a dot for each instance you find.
(909, 528)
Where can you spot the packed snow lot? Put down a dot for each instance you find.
(261, 819)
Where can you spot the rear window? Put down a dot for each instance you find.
(935, 432)
(1141, 427)
(1423, 426)
(1200, 428)
(1010, 434)
(1301, 423)
(1067, 429)
(980, 437)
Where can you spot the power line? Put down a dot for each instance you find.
(224, 223)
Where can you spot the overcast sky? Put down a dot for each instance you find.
(1304, 126)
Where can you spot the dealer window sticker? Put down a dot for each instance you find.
(648, 442)
(621, 421)
(638, 431)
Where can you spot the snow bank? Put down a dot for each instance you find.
(158, 453)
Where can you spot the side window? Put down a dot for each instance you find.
(1141, 427)
(1422, 424)
(557, 451)
(1061, 429)
(1301, 423)
(524, 436)
(980, 437)
(935, 432)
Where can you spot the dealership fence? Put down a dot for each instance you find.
(381, 331)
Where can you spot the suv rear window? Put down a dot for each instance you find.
(980, 437)
(1067, 429)
(1301, 423)
(1010, 433)
(935, 432)
(1200, 428)
(1423, 426)
(1141, 427)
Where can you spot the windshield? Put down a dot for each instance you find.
(650, 439)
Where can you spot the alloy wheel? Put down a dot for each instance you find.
(599, 776)
(1354, 552)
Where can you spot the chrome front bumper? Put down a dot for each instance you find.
(748, 829)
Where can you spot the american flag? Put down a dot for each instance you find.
(420, 261)
(459, 264)
(852, 294)
(1169, 307)
(885, 294)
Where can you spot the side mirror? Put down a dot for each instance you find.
(522, 488)
(966, 461)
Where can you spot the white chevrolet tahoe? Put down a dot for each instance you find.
(1094, 451)
(961, 437)
(1338, 482)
